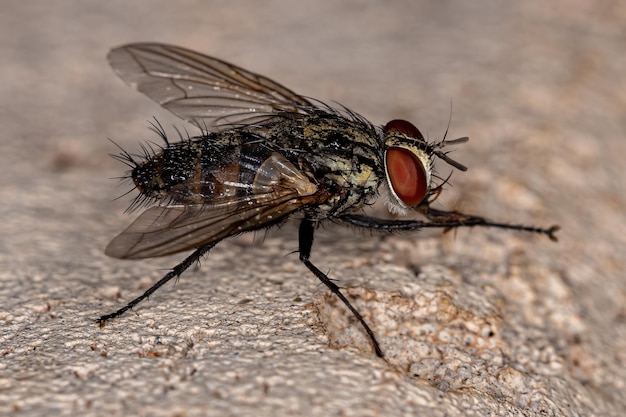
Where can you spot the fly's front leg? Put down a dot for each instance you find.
(444, 219)
(306, 236)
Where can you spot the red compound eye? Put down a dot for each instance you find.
(405, 127)
(407, 176)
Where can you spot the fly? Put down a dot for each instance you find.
(265, 154)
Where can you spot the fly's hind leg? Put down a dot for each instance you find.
(174, 273)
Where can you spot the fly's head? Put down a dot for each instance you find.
(409, 162)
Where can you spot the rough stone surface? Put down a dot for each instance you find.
(477, 322)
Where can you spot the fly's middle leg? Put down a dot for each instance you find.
(306, 237)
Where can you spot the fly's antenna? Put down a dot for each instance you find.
(444, 155)
(443, 142)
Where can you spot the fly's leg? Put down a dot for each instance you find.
(445, 219)
(306, 233)
(174, 273)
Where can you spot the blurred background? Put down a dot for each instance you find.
(539, 87)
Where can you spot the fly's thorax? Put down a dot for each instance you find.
(344, 155)
(342, 150)
(408, 161)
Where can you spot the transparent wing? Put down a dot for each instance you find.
(278, 190)
(164, 230)
(206, 91)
